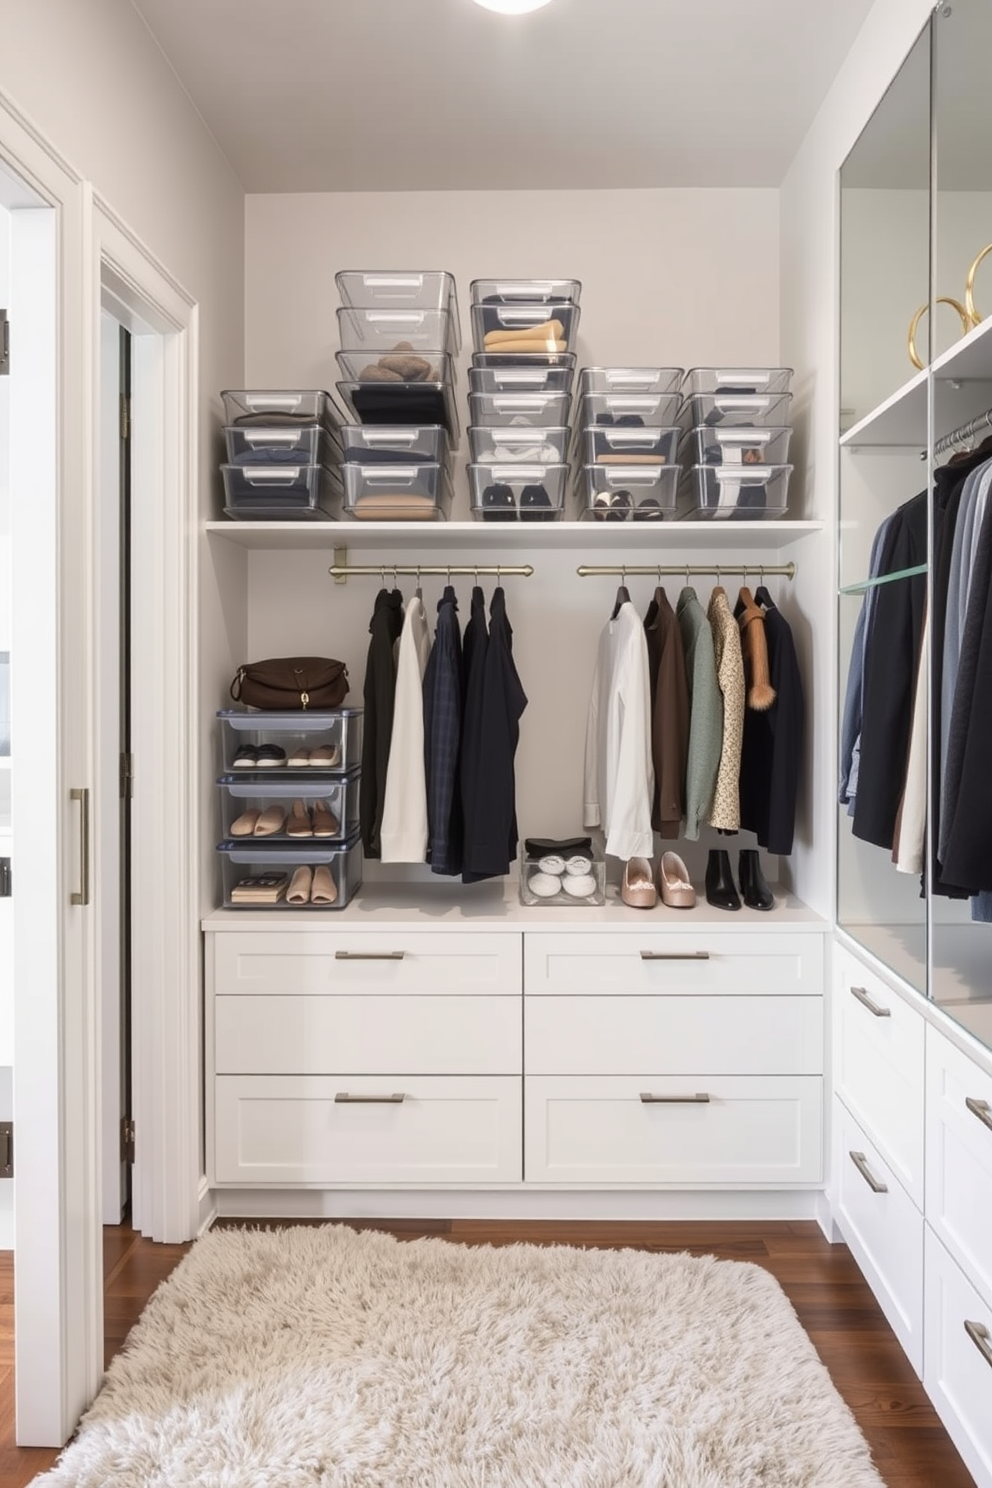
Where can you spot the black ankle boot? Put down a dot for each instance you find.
(720, 889)
(757, 894)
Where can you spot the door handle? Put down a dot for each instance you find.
(981, 1338)
(873, 1007)
(981, 1109)
(675, 955)
(82, 795)
(861, 1163)
(344, 1099)
(369, 955)
(699, 1099)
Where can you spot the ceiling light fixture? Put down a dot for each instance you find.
(512, 7)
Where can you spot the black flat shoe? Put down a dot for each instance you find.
(757, 894)
(721, 890)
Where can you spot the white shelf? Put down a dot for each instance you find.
(962, 391)
(589, 537)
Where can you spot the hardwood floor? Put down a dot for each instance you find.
(910, 1447)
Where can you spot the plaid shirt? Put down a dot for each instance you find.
(442, 739)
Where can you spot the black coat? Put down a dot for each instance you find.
(772, 748)
(380, 704)
(491, 745)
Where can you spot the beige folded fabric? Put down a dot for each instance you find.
(549, 330)
(545, 348)
(630, 460)
(394, 508)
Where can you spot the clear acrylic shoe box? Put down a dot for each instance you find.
(571, 881)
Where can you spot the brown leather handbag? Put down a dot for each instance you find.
(291, 683)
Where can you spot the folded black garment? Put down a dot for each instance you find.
(356, 456)
(401, 403)
(273, 455)
(542, 847)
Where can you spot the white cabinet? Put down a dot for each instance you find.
(673, 962)
(957, 1367)
(959, 1158)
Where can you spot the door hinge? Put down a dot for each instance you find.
(4, 344)
(6, 1149)
(126, 777)
(125, 416)
(127, 1140)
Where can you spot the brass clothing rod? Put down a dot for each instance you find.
(415, 570)
(718, 570)
(966, 431)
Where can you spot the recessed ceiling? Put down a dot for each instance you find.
(389, 95)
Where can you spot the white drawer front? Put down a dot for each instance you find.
(750, 1131)
(878, 1069)
(416, 1035)
(292, 1130)
(957, 1369)
(308, 963)
(959, 1158)
(884, 1230)
(630, 1035)
(673, 963)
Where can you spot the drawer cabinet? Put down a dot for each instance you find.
(622, 1035)
(699, 1130)
(878, 1068)
(293, 1035)
(303, 963)
(959, 1158)
(346, 1129)
(957, 1367)
(673, 963)
(884, 1230)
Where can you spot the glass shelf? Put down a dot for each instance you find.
(890, 578)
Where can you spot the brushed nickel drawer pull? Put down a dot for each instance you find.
(981, 1109)
(82, 894)
(675, 955)
(861, 1163)
(344, 1099)
(862, 996)
(981, 1338)
(369, 955)
(699, 1099)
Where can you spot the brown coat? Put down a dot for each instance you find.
(669, 714)
(754, 646)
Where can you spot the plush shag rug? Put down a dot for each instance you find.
(328, 1358)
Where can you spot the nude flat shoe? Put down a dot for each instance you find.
(674, 883)
(300, 886)
(325, 823)
(325, 757)
(270, 822)
(244, 825)
(298, 759)
(638, 888)
(324, 890)
(299, 821)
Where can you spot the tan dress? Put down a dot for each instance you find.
(726, 808)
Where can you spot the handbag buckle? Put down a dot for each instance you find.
(304, 699)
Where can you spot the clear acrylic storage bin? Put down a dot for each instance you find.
(519, 410)
(517, 493)
(253, 444)
(741, 410)
(571, 888)
(285, 406)
(628, 410)
(599, 445)
(737, 380)
(743, 493)
(377, 331)
(489, 446)
(534, 362)
(521, 379)
(270, 878)
(525, 328)
(630, 380)
(391, 368)
(281, 492)
(324, 742)
(635, 493)
(725, 445)
(313, 811)
(392, 444)
(403, 289)
(506, 291)
(396, 493)
(417, 403)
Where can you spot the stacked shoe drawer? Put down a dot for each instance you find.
(734, 450)
(289, 787)
(520, 394)
(399, 334)
(283, 455)
(626, 442)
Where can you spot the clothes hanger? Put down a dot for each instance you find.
(419, 591)
(623, 594)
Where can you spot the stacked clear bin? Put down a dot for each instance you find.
(626, 443)
(520, 394)
(399, 334)
(283, 455)
(734, 450)
(289, 786)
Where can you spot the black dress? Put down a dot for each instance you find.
(772, 747)
(380, 703)
(490, 802)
